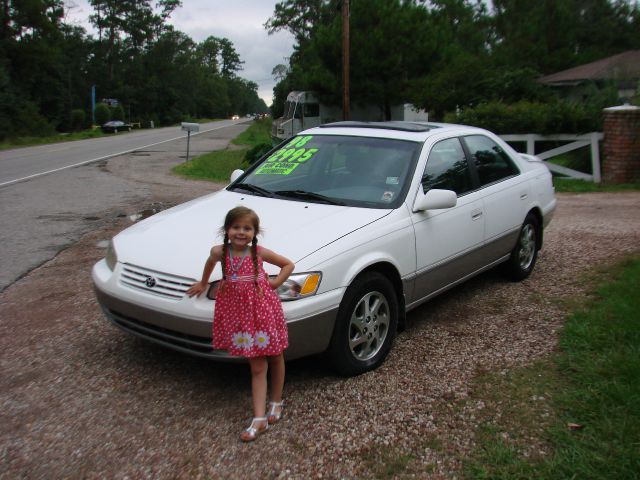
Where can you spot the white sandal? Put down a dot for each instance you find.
(258, 425)
(275, 412)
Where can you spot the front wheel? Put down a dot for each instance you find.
(525, 253)
(366, 325)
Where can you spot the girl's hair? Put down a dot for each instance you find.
(233, 216)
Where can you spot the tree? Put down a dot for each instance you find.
(380, 69)
(128, 25)
(280, 71)
(552, 35)
(103, 113)
(218, 55)
(300, 17)
(229, 59)
(32, 53)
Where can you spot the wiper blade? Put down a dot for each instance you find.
(254, 189)
(303, 194)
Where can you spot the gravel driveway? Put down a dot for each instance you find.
(80, 399)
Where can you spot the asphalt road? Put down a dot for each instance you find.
(26, 163)
(48, 211)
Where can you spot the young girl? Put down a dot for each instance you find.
(248, 319)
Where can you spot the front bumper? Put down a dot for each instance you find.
(179, 326)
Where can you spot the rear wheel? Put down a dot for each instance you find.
(366, 325)
(525, 253)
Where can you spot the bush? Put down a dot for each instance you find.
(29, 122)
(103, 114)
(254, 153)
(78, 119)
(531, 117)
(117, 113)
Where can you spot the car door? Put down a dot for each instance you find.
(504, 192)
(447, 240)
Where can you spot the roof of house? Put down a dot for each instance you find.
(621, 66)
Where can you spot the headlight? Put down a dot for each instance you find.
(300, 285)
(111, 257)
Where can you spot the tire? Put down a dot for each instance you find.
(365, 326)
(525, 253)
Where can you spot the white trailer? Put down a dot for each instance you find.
(302, 110)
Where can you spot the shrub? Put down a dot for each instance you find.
(117, 113)
(29, 122)
(531, 117)
(103, 114)
(78, 119)
(254, 153)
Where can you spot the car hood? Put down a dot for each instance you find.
(178, 240)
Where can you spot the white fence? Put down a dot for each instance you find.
(577, 141)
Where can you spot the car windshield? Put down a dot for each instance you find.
(341, 170)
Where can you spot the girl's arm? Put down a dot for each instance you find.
(286, 266)
(199, 287)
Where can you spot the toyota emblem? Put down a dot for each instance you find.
(150, 282)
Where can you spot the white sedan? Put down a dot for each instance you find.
(378, 218)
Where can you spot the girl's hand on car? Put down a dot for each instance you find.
(196, 289)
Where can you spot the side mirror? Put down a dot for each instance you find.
(236, 174)
(435, 199)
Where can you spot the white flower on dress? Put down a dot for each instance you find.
(242, 340)
(248, 340)
(238, 339)
(262, 339)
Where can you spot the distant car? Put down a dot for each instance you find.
(115, 126)
(235, 117)
(378, 218)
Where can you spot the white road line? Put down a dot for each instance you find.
(10, 182)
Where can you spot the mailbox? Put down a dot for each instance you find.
(190, 127)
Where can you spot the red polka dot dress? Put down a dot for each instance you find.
(248, 320)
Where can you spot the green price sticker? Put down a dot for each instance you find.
(285, 160)
(277, 168)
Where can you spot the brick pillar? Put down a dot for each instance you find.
(621, 145)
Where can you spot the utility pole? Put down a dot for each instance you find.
(345, 60)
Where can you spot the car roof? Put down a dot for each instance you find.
(403, 130)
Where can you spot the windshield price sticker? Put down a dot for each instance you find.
(285, 160)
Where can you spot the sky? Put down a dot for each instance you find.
(241, 21)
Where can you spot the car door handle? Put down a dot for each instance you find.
(476, 214)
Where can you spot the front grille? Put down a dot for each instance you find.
(150, 281)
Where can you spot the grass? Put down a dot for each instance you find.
(259, 132)
(57, 138)
(582, 186)
(593, 383)
(218, 165)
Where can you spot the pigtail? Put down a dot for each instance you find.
(223, 262)
(254, 257)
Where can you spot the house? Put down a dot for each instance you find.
(621, 71)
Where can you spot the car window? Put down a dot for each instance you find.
(447, 168)
(357, 171)
(490, 160)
